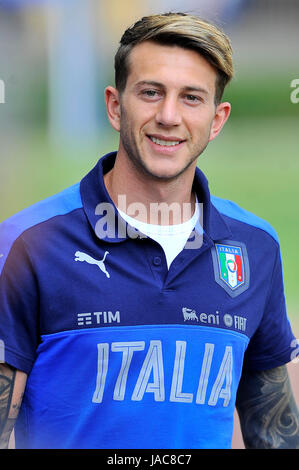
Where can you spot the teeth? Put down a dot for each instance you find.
(167, 143)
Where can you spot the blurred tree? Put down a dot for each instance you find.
(72, 71)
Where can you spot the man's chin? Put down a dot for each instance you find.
(166, 174)
(163, 170)
(162, 174)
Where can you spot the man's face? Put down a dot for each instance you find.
(167, 110)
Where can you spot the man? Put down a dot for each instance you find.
(139, 309)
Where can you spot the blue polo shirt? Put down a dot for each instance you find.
(122, 352)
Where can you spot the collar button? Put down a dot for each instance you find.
(157, 261)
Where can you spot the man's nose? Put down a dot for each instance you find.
(169, 113)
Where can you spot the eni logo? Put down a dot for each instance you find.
(189, 314)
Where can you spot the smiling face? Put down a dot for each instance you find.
(166, 115)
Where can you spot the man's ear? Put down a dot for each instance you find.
(113, 107)
(221, 116)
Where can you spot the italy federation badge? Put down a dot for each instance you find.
(231, 266)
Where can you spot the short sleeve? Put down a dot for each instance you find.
(19, 308)
(271, 344)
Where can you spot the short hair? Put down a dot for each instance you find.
(183, 30)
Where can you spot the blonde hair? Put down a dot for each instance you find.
(183, 30)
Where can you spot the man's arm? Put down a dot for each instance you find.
(12, 385)
(268, 414)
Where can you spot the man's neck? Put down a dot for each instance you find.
(150, 200)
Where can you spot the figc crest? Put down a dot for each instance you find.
(231, 266)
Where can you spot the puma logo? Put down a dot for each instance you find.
(80, 256)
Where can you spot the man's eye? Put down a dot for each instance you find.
(150, 93)
(192, 98)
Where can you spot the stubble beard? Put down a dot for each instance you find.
(129, 143)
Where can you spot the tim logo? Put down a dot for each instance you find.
(189, 314)
(98, 318)
(80, 256)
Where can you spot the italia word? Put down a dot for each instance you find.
(229, 249)
(295, 93)
(151, 375)
(2, 92)
(97, 318)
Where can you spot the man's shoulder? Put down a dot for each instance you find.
(233, 211)
(61, 203)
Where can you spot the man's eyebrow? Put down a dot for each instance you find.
(149, 82)
(189, 88)
(197, 89)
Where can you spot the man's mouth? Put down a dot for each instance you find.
(165, 143)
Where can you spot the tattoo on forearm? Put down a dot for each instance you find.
(7, 380)
(267, 410)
